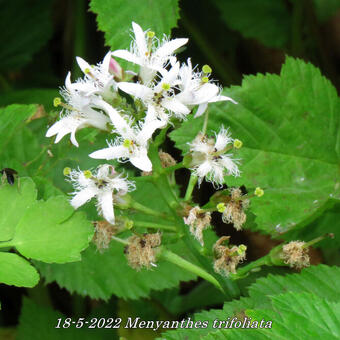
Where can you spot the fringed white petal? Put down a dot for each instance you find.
(82, 197)
(112, 152)
(105, 205)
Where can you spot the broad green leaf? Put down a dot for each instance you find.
(25, 27)
(289, 125)
(268, 299)
(115, 18)
(43, 230)
(100, 275)
(16, 271)
(31, 96)
(57, 234)
(265, 20)
(11, 120)
(321, 280)
(47, 319)
(13, 205)
(294, 316)
(327, 223)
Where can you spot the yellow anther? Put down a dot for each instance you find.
(259, 192)
(241, 249)
(66, 171)
(128, 224)
(127, 143)
(220, 207)
(150, 34)
(206, 69)
(87, 71)
(87, 173)
(166, 86)
(205, 79)
(56, 101)
(238, 144)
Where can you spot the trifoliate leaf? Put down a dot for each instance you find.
(43, 230)
(100, 275)
(270, 24)
(23, 32)
(115, 18)
(289, 126)
(16, 271)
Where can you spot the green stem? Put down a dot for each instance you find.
(172, 168)
(142, 208)
(191, 185)
(160, 137)
(179, 261)
(153, 225)
(205, 123)
(117, 239)
(243, 271)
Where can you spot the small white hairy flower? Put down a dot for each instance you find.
(132, 144)
(210, 159)
(76, 114)
(148, 52)
(104, 184)
(195, 88)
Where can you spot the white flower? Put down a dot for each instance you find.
(160, 95)
(99, 79)
(76, 114)
(132, 144)
(105, 185)
(196, 89)
(210, 160)
(149, 53)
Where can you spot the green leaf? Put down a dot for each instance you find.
(268, 299)
(100, 275)
(16, 271)
(289, 125)
(265, 20)
(23, 32)
(327, 223)
(321, 280)
(43, 230)
(57, 234)
(11, 120)
(115, 18)
(30, 96)
(13, 206)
